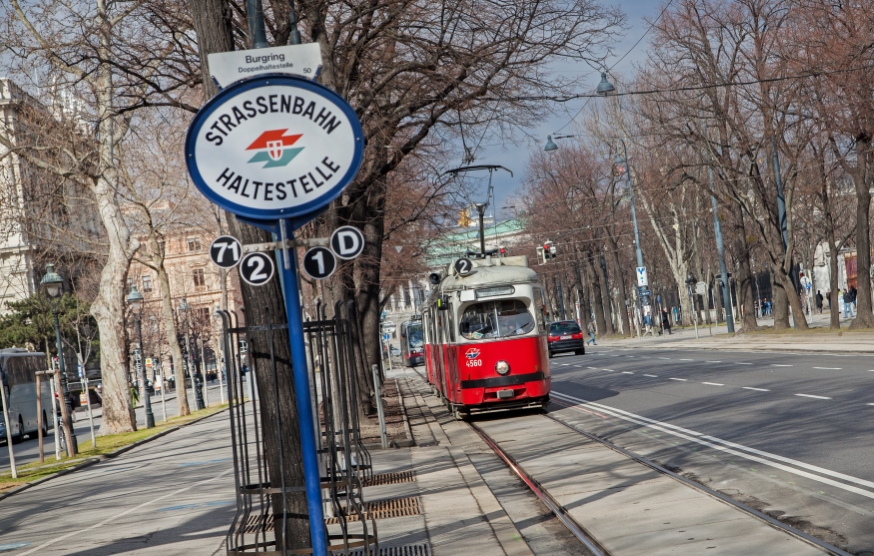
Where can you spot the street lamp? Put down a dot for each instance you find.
(184, 308)
(135, 301)
(604, 88)
(551, 147)
(691, 281)
(53, 286)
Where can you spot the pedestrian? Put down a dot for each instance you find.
(590, 328)
(818, 301)
(647, 324)
(853, 292)
(666, 321)
(848, 304)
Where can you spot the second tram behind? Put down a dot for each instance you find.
(485, 337)
(412, 343)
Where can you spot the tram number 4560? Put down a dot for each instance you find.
(474, 363)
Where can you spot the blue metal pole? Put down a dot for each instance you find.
(312, 476)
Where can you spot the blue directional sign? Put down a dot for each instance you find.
(274, 146)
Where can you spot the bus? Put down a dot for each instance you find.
(18, 369)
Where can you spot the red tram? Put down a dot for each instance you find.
(485, 337)
(412, 342)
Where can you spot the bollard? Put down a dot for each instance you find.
(378, 390)
(8, 431)
(39, 420)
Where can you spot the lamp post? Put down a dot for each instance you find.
(690, 281)
(53, 286)
(135, 301)
(184, 308)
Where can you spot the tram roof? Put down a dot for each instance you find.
(484, 275)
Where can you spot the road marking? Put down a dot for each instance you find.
(656, 376)
(713, 383)
(565, 364)
(682, 379)
(686, 359)
(713, 361)
(756, 389)
(14, 545)
(666, 358)
(593, 368)
(709, 441)
(608, 370)
(627, 373)
(740, 363)
(869, 404)
(776, 365)
(122, 514)
(829, 368)
(812, 396)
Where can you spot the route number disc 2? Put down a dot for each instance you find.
(256, 269)
(319, 263)
(463, 266)
(347, 242)
(225, 251)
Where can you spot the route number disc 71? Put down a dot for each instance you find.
(225, 251)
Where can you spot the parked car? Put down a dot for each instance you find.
(565, 336)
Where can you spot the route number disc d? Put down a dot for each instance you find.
(256, 269)
(225, 251)
(347, 242)
(319, 263)
(463, 266)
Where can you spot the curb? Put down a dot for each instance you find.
(103, 457)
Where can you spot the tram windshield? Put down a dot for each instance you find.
(414, 336)
(496, 319)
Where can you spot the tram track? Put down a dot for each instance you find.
(579, 531)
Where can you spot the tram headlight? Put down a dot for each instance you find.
(502, 367)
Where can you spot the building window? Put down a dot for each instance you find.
(130, 283)
(203, 315)
(199, 278)
(194, 244)
(147, 283)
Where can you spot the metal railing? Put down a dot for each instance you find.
(262, 497)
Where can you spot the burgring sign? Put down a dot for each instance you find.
(274, 146)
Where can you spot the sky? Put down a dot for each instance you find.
(514, 156)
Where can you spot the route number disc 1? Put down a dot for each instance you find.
(319, 263)
(347, 242)
(225, 251)
(256, 269)
(463, 266)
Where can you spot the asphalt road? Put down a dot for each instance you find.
(171, 496)
(787, 433)
(28, 451)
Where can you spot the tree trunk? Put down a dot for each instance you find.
(595, 295)
(864, 315)
(605, 293)
(265, 304)
(212, 23)
(792, 297)
(623, 299)
(743, 275)
(172, 335)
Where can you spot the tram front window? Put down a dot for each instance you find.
(415, 337)
(496, 319)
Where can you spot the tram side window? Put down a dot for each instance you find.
(540, 308)
(496, 319)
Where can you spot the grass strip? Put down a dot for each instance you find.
(106, 444)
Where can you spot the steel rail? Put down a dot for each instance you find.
(777, 524)
(560, 512)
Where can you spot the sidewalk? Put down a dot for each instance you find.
(818, 340)
(443, 502)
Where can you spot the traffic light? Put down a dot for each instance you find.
(549, 250)
(541, 255)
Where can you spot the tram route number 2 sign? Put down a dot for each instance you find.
(256, 269)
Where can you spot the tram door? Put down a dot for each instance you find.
(439, 367)
(451, 359)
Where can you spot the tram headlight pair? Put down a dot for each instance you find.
(502, 367)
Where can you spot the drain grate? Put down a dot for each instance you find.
(389, 479)
(408, 550)
(384, 509)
